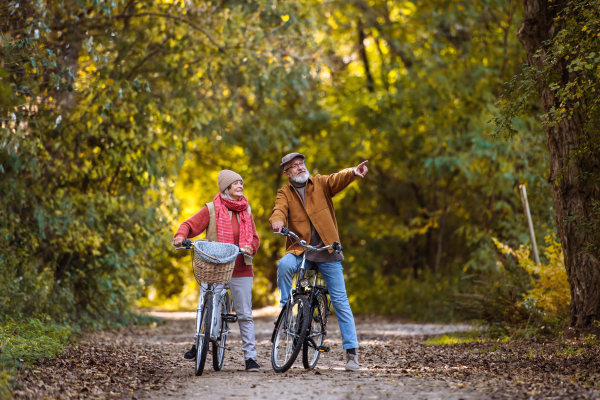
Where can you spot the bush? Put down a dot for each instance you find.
(24, 342)
(521, 298)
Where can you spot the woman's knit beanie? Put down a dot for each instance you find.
(227, 177)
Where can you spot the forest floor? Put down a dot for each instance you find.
(396, 363)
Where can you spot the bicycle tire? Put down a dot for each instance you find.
(290, 325)
(202, 342)
(218, 349)
(310, 354)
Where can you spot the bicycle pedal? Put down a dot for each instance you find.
(323, 349)
(230, 318)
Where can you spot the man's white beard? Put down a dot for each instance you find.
(300, 178)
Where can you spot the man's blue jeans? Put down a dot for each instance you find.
(333, 273)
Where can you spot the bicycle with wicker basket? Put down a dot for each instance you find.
(213, 264)
(302, 323)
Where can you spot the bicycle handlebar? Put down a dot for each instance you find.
(286, 232)
(188, 245)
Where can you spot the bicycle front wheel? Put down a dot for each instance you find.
(316, 332)
(203, 338)
(218, 350)
(290, 333)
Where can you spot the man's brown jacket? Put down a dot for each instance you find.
(318, 209)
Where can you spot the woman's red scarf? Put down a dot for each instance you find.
(224, 229)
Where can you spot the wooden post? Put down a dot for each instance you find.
(523, 191)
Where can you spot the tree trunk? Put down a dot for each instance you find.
(363, 55)
(573, 196)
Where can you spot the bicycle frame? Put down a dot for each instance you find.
(216, 318)
(299, 288)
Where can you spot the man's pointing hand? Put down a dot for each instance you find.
(361, 169)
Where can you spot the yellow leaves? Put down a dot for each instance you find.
(319, 36)
(226, 92)
(551, 289)
(405, 8)
(285, 18)
(109, 82)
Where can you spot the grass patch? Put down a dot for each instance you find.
(455, 338)
(24, 342)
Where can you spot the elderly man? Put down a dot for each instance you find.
(305, 206)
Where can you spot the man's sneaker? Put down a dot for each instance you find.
(251, 365)
(191, 354)
(352, 362)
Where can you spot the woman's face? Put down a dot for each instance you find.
(237, 189)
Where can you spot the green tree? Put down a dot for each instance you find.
(410, 86)
(563, 47)
(99, 103)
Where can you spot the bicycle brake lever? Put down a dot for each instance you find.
(244, 254)
(337, 246)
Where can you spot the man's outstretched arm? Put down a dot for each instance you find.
(340, 180)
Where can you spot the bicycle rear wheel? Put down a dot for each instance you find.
(218, 349)
(203, 338)
(290, 332)
(316, 331)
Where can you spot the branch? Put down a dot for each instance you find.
(152, 14)
(363, 55)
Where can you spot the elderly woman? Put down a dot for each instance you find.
(228, 219)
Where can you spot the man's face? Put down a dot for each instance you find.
(296, 170)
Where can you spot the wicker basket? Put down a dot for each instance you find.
(214, 262)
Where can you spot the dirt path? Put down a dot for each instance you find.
(377, 380)
(396, 364)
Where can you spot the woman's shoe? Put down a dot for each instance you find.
(251, 365)
(191, 354)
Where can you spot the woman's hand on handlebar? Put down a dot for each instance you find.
(247, 250)
(178, 241)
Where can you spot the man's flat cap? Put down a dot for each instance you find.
(289, 157)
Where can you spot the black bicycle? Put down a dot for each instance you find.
(302, 323)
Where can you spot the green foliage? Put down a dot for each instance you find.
(118, 133)
(521, 299)
(99, 101)
(576, 47)
(27, 341)
(439, 187)
(455, 338)
(24, 342)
